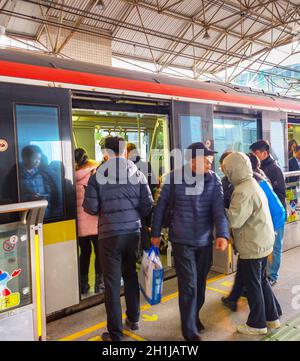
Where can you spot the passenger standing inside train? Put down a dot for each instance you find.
(197, 207)
(272, 170)
(87, 224)
(227, 186)
(36, 182)
(253, 234)
(146, 169)
(120, 195)
(294, 164)
(292, 145)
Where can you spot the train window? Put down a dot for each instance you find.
(277, 130)
(233, 133)
(40, 166)
(190, 130)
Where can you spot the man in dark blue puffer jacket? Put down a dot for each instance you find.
(197, 208)
(120, 194)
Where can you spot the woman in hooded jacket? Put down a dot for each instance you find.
(253, 234)
(87, 224)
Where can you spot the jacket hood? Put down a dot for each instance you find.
(116, 170)
(237, 167)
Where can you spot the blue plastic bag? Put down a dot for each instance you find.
(277, 210)
(152, 276)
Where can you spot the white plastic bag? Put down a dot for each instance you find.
(151, 276)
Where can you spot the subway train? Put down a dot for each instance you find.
(56, 105)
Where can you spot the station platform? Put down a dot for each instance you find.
(162, 322)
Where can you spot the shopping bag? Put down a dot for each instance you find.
(151, 276)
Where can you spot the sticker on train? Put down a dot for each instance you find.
(7, 298)
(3, 145)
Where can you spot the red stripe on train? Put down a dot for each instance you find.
(20, 70)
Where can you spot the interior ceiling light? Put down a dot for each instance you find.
(206, 34)
(100, 5)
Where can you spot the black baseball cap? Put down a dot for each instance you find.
(199, 146)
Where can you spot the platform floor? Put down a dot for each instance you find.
(162, 322)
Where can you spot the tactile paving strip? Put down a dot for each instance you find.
(289, 331)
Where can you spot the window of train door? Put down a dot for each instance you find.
(193, 123)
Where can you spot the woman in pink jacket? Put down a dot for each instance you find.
(87, 224)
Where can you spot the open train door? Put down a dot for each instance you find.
(36, 162)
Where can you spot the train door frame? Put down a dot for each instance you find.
(112, 102)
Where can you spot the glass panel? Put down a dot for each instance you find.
(277, 142)
(15, 287)
(40, 157)
(293, 199)
(233, 134)
(190, 130)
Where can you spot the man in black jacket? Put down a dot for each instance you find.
(261, 149)
(120, 194)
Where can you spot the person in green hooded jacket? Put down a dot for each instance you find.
(253, 235)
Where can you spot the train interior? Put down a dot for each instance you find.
(149, 134)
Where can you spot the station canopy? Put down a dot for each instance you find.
(255, 43)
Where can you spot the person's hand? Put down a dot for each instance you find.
(221, 243)
(155, 241)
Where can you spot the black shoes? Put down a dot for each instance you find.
(84, 284)
(195, 338)
(132, 325)
(200, 326)
(99, 284)
(232, 305)
(106, 337)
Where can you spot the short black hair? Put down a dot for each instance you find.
(30, 150)
(261, 145)
(116, 144)
(297, 148)
(224, 155)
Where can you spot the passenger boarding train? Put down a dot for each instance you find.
(58, 105)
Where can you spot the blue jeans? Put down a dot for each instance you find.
(273, 267)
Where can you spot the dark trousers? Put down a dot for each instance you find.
(85, 244)
(238, 286)
(262, 302)
(192, 265)
(118, 256)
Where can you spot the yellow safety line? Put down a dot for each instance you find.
(133, 335)
(84, 332)
(143, 308)
(38, 286)
(97, 338)
(217, 290)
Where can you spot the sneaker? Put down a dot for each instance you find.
(273, 324)
(106, 336)
(232, 305)
(132, 325)
(247, 330)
